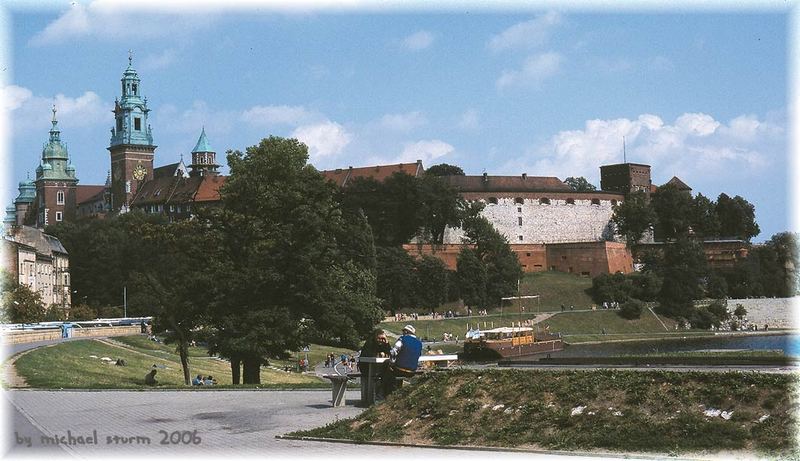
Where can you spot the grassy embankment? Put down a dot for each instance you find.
(612, 410)
(70, 366)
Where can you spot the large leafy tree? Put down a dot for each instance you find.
(786, 251)
(683, 273)
(471, 277)
(285, 278)
(20, 303)
(396, 279)
(633, 217)
(703, 217)
(440, 206)
(176, 282)
(672, 208)
(580, 184)
(432, 281)
(502, 267)
(736, 217)
(443, 169)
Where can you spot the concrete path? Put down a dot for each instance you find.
(228, 423)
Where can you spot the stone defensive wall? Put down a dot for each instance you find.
(588, 259)
(545, 217)
(30, 336)
(775, 312)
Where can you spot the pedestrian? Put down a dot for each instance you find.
(198, 380)
(405, 359)
(150, 378)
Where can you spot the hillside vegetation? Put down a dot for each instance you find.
(664, 412)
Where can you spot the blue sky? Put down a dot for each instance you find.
(700, 94)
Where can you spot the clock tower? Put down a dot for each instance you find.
(132, 149)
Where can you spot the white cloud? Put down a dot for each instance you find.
(526, 34)
(29, 112)
(424, 150)
(159, 61)
(694, 145)
(418, 40)
(323, 139)
(108, 20)
(534, 71)
(275, 115)
(403, 122)
(190, 121)
(470, 120)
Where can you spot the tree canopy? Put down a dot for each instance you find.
(580, 184)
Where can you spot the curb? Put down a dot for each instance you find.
(610, 455)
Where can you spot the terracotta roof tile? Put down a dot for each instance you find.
(507, 183)
(208, 191)
(342, 176)
(88, 193)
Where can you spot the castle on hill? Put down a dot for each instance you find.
(548, 225)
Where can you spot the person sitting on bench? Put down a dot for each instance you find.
(405, 359)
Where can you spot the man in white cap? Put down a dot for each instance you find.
(405, 359)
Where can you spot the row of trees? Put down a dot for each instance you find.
(679, 275)
(286, 259)
(672, 213)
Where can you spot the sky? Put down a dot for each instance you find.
(698, 93)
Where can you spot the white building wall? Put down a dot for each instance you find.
(556, 222)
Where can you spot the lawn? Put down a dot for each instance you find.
(595, 322)
(670, 413)
(70, 365)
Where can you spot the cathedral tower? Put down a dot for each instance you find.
(204, 159)
(55, 182)
(131, 148)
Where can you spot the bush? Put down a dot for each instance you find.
(631, 309)
(82, 312)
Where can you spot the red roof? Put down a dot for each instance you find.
(88, 193)
(378, 172)
(208, 191)
(525, 183)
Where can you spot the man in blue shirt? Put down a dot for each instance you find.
(405, 359)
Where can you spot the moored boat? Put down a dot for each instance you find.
(509, 342)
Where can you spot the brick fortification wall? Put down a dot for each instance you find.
(583, 258)
(568, 217)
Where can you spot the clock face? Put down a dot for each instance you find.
(139, 173)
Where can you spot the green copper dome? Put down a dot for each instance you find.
(55, 158)
(27, 192)
(203, 144)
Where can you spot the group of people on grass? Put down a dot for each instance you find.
(201, 380)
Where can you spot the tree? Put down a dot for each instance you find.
(682, 273)
(703, 217)
(580, 184)
(672, 208)
(176, 282)
(740, 312)
(284, 279)
(633, 217)
(736, 217)
(20, 303)
(396, 282)
(631, 309)
(502, 267)
(443, 169)
(432, 283)
(82, 312)
(440, 206)
(471, 276)
(786, 251)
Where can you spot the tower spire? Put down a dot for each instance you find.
(130, 57)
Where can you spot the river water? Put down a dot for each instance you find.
(788, 343)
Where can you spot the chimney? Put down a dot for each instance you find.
(485, 178)
(524, 176)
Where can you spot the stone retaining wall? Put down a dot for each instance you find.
(17, 337)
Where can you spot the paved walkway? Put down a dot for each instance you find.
(229, 423)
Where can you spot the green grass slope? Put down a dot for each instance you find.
(611, 410)
(70, 365)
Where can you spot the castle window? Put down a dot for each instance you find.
(172, 208)
(135, 88)
(493, 200)
(519, 200)
(519, 221)
(520, 237)
(60, 197)
(544, 201)
(570, 201)
(519, 209)
(595, 201)
(59, 216)
(137, 123)
(527, 254)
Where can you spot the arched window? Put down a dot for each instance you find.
(595, 201)
(519, 201)
(492, 200)
(570, 201)
(60, 197)
(544, 201)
